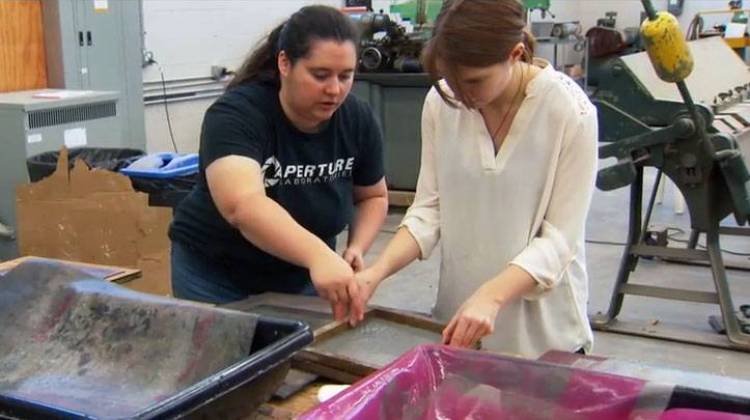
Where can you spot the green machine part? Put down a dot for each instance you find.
(536, 4)
(410, 9)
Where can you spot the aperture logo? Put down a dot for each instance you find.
(271, 172)
(274, 173)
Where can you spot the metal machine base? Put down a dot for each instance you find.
(737, 326)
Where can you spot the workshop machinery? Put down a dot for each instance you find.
(386, 46)
(542, 5)
(392, 82)
(652, 114)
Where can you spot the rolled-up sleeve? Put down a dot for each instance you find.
(422, 220)
(561, 232)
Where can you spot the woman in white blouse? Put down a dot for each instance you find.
(509, 156)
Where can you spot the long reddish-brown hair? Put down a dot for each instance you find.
(475, 33)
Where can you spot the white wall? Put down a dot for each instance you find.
(186, 118)
(187, 37)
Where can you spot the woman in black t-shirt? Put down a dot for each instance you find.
(288, 159)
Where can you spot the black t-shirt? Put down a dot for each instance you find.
(309, 175)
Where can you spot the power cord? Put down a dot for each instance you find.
(166, 105)
(166, 108)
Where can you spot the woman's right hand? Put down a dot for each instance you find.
(368, 280)
(333, 278)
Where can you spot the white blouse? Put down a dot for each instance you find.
(525, 206)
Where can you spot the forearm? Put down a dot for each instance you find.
(511, 284)
(269, 226)
(369, 217)
(400, 251)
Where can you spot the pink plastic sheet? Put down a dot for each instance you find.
(436, 382)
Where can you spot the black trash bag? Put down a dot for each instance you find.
(113, 159)
(165, 192)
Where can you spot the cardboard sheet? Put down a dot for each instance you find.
(95, 216)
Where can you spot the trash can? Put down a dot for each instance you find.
(113, 159)
(167, 177)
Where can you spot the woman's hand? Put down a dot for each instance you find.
(476, 317)
(473, 320)
(333, 278)
(368, 280)
(353, 256)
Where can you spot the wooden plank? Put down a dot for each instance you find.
(23, 63)
(412, 319)
(118, 274)
(301, 402)
(360, 366)
(325, 371)
(337, 362)
(295, 381)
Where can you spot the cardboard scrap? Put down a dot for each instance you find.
(95, 216)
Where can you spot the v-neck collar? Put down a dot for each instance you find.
(495, 162)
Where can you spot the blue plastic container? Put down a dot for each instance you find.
(163, 166)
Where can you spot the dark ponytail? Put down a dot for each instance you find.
(295, 37)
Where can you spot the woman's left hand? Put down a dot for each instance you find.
(353, 256)
(473, 320)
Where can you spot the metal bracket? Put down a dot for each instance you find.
(624, 171)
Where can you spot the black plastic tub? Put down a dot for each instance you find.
(75, 346)
(234, 392)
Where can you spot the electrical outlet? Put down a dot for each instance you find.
(148, 58)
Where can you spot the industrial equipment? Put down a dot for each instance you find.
(392, 82)
(605, 39)
(98, 45)
(386, 46)
(541, 5)
(33, 122)
(420, 12)
(647, 122)
(359, 3)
